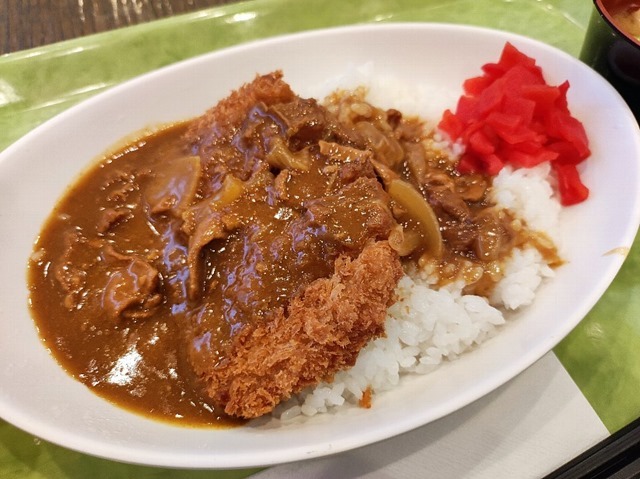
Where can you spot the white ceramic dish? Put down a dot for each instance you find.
(39, 397)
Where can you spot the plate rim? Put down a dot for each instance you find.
(95, 449)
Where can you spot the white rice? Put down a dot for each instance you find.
(427, 326)
(529, 193)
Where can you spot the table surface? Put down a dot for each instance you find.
(61, 75)
(34, 23)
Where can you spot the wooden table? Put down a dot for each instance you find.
(32, 23)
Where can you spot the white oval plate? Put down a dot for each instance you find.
(39, 397)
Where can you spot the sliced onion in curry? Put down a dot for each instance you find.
(174, 185)
(203, 222)
(284, 159)
(418, 209)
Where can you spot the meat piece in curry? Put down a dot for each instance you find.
(215, 268)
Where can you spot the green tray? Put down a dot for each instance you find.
(602, 354)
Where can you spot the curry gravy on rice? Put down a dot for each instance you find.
(208, 271)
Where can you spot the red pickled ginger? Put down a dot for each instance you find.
(510, 115)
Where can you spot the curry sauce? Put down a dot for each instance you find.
(138, 364)
(210, 270)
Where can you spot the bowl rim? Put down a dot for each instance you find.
(97, 448)
(603, 11)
